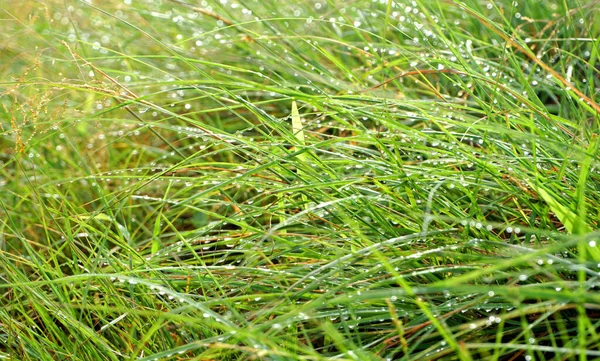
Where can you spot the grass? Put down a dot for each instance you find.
(364, 180)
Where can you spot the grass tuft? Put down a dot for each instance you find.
(366, 180)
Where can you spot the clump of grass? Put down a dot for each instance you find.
(367, 181)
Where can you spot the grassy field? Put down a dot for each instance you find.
(299, 180)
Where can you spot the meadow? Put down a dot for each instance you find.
(299, 180)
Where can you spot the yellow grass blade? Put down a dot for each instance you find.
(297, 127)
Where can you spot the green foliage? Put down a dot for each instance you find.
(312, 180)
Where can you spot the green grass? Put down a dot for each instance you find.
(311, 180)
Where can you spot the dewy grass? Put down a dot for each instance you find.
(373, 180)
